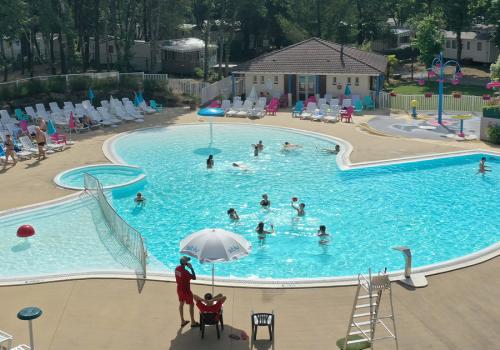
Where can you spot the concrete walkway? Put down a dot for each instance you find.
(459, 310)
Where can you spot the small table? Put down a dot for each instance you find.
(29, 314)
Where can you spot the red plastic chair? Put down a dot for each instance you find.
(272, 107)
(347, 114)
(215, 104)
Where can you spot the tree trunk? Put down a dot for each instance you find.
(64, 68)
(227, 53)
(360, 36)
(4, 61)
(221, 50)
(459, 45)
(97, 38)
(86, 52)
(52, 58)
(205, 61)
(318, 19)
(38, 56)
(23, 52)
(30, 52)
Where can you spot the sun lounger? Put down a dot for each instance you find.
(226, 105)
(358, 107)
(156, 106)
(333, 114)
(237, 106)
(41, 112)
(106, 117)
(334, 102)
(260, 108)
(27, 145)
(55, 109)
(246, 109)
(368, 102)
(328, 98)
(309, 111)
(50, 145)
(20, 115)
(68, 105)
(132, 111)
(297, 110)
(347, 102)
(145, 108)
(31, 112)
(6, 119)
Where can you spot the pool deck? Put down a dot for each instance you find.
(458, 310)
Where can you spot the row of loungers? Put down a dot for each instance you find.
(73, 118)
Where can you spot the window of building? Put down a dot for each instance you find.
(348, 80)
(110, 48)
(479, 46)
(262, 79)
(467, 45)
(356, 81)
(448, 44)
(453, 44)
(275, 80)
(255, 79)
(334, 80)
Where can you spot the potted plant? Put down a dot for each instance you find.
(194, 103)
(428, 94)
(456, 94)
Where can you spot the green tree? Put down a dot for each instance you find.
(392, 61)
(14, 17)
(495, 70)
(458, 18)
(428, 38)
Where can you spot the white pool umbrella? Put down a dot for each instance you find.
(213, 245)
(253, 94)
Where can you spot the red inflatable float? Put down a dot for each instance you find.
(25, 231)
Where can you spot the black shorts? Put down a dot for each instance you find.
(41, 144)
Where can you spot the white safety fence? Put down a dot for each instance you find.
(464, 103)
(125, 234)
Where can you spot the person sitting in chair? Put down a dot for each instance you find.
(210, 303)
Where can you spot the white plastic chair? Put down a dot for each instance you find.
(347, 102)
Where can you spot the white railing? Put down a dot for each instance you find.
(157, 77)
(125, 234)
(66, 81)
(186, 86)
(465, 103)
(222, 88)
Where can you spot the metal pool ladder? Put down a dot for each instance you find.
(365, 314)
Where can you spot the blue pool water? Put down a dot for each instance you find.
(108, 175)
(439, 208)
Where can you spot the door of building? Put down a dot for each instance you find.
(306, 86)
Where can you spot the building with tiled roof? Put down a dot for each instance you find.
(314, 67)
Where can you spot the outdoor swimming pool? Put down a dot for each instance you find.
(439, 208)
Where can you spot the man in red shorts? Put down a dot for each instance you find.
(210, 304)
(183, 279)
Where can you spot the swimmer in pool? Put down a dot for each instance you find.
(483, 168)
(335, 150)
(210, 162)
(262, 232)
(240, 166)
(139, 199)
(287, 146)
(300, 209)
(233, 215)
(265, 202)
(259, 145)
(323, 236)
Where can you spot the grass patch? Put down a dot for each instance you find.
(412, 88)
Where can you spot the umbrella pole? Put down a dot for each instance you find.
(213, 274)
(211, 133)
